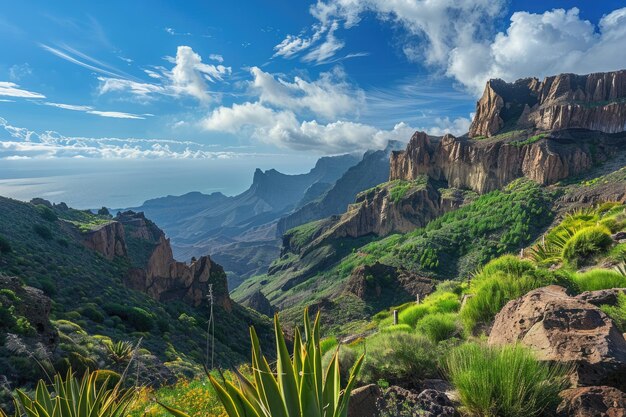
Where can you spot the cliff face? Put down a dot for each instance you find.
(486, 165)
(593, 101)
(163, 278)
(398, 206)
(372, 170)
(107, 239)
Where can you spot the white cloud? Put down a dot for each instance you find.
(68, 106)
(329, 97)
(116, 114)
(544, 44)
(19, 71)
(216, 57)
(188, 77)
(458, 38)
(10, 89)
(327, 49)
(21, 143)
(76, 57)
(91, 110)
(281, 128)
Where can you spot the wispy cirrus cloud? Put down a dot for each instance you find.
(10, 89)
(76, 57)
(23, 143)
(91, 110)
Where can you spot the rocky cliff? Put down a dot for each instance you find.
(594, 101)
(108, 239)
(372, 170)
(486, 165)
(163, 278)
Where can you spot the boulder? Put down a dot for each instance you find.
(592, 402)
(602, 297)
(566, 329)
(259, 302)
(363, 401)
(399, 402)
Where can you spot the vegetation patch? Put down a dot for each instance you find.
(505, 381)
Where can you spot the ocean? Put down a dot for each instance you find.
(93, 183)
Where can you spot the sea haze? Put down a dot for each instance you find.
(94, 183)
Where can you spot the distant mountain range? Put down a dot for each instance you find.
(243, 232)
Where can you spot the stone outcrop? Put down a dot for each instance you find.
(363, 401)
(428, 403)
(488, 165)
(396, 286)
(592, 402)
(258, 302)
(384, 209)
(35, 307)
(565, 329)
(602, 297)
(108, 240)
(594, 101)
(163, 278)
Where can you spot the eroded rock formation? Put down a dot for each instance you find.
(594, 101)
(484, 166)
(374, 282)
(394, 207)
(108, 239)
(162, 277)
(565, 329)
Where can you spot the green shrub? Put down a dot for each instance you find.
(397, 328)
(505, 381)
(140, 319)
(42, 231)
(439, 326)
(347, 359)
(587, 243)
(617, 312)
(5, 245)
(92, 312)
(500, 281)
(411, 315)
(399, 358)
(46, 213)
(599, 279)
(187, 320)
(328, 343)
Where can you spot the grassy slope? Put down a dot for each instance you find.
(88, 290)
(452, 246)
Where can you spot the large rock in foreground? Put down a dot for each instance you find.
(565, 329)
(592, 402)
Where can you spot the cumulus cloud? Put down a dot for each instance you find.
(188, 77)
(329, 97)
(22, 143)
(282, 128)
(10, 89)
(543, 44)
(458, 38)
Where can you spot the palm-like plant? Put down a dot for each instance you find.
(71, 397)
(119, 352)
(298, 388)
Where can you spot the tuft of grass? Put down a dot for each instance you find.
(599, 279)
(442, 302)
(501, 280)
(586, 243)
(440, 326)
(328, 343)
(505, 381)
(398, 328)
(399, 358)
(617, 312)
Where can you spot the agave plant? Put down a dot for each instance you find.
(119, 352)
(298, 387)
(71, 397)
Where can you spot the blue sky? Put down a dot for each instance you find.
(219, 80)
